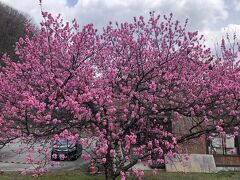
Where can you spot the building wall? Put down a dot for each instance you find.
(194, 146)
(199, 146)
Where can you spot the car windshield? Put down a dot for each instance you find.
(64, 142)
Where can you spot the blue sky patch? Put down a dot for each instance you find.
(72, 3)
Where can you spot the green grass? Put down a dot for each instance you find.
(194, 176)
(77, 175)
(69, 175)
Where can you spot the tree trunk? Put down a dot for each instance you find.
(109, 174)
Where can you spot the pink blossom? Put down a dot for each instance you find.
(86, 156)
(104, 160)
(186, 157)
(54, 156)
(154, 172)
(150, 145)
(62, 156)
(112, 152)
(150, 162)
(24, 173)
(122, 174)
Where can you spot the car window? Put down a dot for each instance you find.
(63, 142)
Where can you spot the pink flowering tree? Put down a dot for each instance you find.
(126, 88)
(159, 76)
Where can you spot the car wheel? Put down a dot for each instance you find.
(74, 157)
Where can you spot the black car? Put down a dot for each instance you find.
(70, 149)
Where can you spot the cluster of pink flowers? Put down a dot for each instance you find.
(138, 173)
(62, 156)
(86, 156)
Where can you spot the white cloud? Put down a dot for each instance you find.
(237, 5)
(211, 17)
(214, 36)
(200, 12)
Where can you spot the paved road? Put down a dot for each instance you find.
(12, 161)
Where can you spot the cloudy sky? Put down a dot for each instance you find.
(211, 17)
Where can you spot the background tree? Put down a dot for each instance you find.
(125, 88)
(12, 28)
